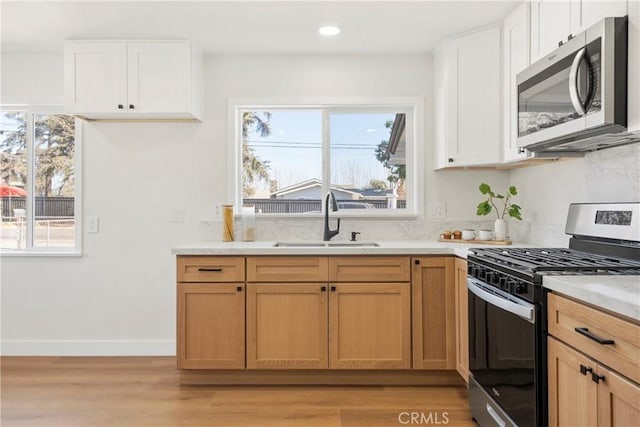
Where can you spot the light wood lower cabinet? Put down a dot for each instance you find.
(584, 393)
(591, 356)
(462, 318)
(369, 326)
(287, 326)
(434, 322)
(335, 326)
(211, 326)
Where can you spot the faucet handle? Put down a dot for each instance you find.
(354, 236)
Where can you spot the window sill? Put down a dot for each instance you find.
(18, 254)
(339, 214)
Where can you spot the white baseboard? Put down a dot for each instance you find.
(88, 348)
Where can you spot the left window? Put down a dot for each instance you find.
(39, 182)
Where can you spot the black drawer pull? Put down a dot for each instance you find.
(323, 289)
(597, 378)
(120, 106)
(239, 288)
(213, 269)
(585, 369)
(586, 333)
(131, 107)
(333, 289)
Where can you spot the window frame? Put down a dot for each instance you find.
(30, 110)
(412, 106)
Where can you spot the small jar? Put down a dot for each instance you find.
(248, 223)
(457, 234)
(446, 235)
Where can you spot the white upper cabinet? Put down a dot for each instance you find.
(515, 44)
(550, 25)
(467, 99)
(586, 13)
(136, 80)
(553, 21)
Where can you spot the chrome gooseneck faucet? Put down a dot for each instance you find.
(328, 233)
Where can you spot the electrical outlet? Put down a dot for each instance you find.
(93, 224)
(437, 210)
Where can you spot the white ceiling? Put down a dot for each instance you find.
(255, 27)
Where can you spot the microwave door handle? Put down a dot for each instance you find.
(520, 310)
(573, 82)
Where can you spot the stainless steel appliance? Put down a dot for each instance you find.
(575, 99)
(507, 321)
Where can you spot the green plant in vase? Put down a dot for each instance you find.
(508, 207)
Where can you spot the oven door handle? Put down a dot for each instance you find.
(521, 309)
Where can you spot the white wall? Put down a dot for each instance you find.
(611, 175)
(119, 298)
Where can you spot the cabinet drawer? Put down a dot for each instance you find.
(210, 269)
(572, 321)
(369, 269)
(287, 269)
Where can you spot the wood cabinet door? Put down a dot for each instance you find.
(95, 76)
(369, 326)
(434, 320)
(287, 326)
(462, 318)
(618, 400)
(159, 77)
(211, 326)
(572, 392)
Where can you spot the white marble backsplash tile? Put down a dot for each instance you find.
(400, 229)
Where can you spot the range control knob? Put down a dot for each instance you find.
(521, 288)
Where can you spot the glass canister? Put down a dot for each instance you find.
(248, 223)
(227, 223)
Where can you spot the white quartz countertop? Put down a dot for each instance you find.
(411, 247)
(619, 294)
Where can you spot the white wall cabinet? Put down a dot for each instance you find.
(586, 13)
(133, 80)
(550, 24)
(516, 51)
(553, 21)
(468, 99)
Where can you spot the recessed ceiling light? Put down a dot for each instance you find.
(329, 30)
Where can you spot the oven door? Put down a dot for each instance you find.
(502, 349)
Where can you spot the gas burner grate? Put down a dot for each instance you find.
(534, 260)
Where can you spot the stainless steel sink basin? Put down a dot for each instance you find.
(325, 245)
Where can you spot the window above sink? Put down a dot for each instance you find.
(288, 155)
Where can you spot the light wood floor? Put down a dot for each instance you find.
(144, 391)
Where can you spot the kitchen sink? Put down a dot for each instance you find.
(326, 245)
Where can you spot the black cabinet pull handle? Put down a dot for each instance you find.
(120, 106)
(591, 336)
(323, 289)
(416, 262)
(450, 159)
(239, 288)
(207, 269)
(131, 107)
(597, 378)
(333, 289)
(585, 369)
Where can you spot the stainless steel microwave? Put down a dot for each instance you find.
(575, 99)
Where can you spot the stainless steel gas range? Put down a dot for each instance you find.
(507, 315)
